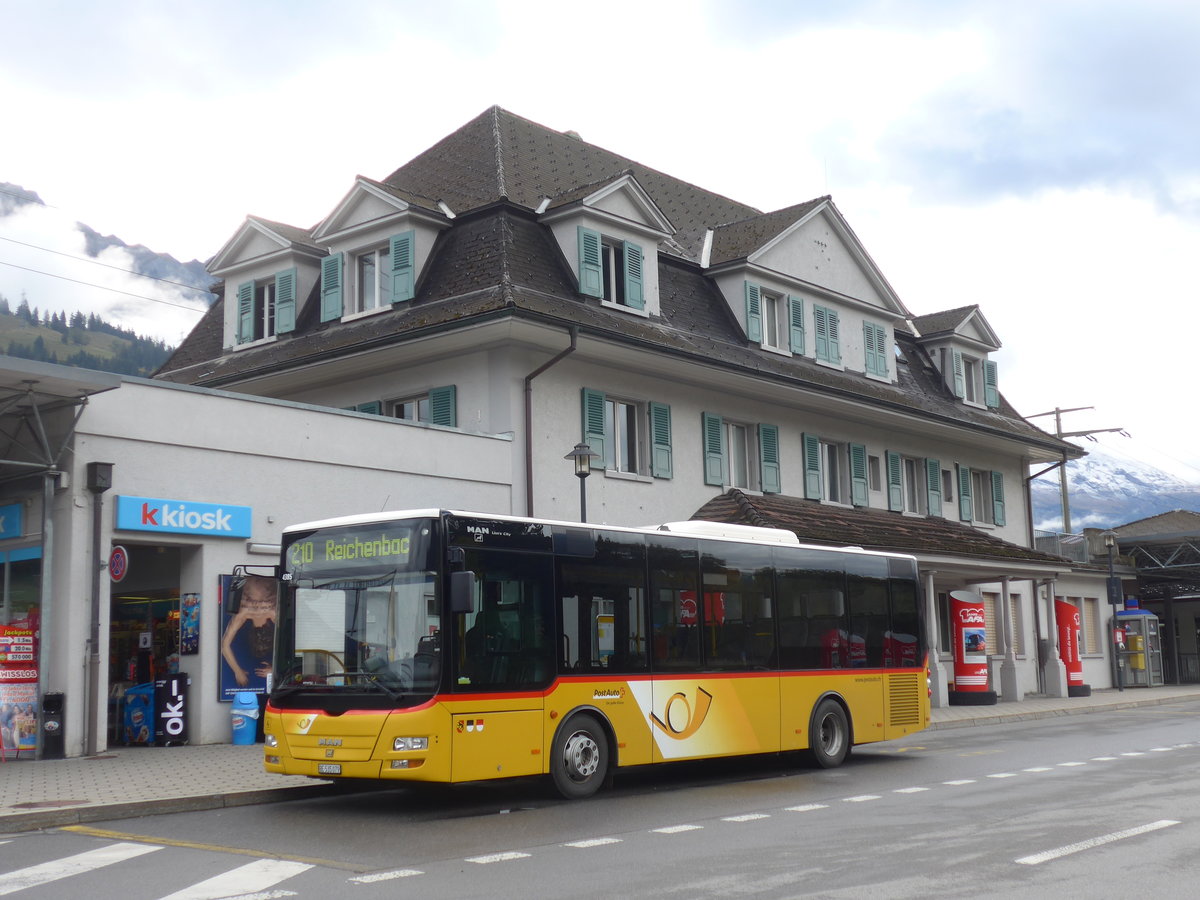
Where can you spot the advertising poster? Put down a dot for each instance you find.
(18, 716)
(248, 610)
(19, 684)
(189, 624)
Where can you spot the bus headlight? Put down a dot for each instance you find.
(271, 741)
(410, 743)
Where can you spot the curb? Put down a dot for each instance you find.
(35, 820)
(975, 722)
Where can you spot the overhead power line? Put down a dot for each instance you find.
(104, 288)
(96, 262)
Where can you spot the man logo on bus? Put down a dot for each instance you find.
(681, 721)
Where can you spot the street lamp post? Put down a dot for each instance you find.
(1115, 599)
(583, 456)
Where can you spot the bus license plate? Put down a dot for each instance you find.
(329, 768)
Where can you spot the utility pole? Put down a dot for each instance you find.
(1062, 471)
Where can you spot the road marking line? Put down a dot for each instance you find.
(677, 829)
(1004, 775)
(1160, 749)
(911, 790)
(807, 807)
(1069, 764)
(1134, 753)
(593, 842)
(1104, 759)
(861, 798)
(386, 876)
(1038, 769)
(244, 880)
(497, 857)
(748, 817)
(1048, 855)
(960, 781)
(80, 863)
(261, 895)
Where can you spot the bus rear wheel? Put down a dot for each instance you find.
(579, 758)
(829, 735)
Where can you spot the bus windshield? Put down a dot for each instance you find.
(360, 612)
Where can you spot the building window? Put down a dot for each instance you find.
(771, 304)
(914, 500)
(833, 472)
(826, 470)
(875, 476)
(373, 289)
(992, 604)
(622, 450)
(629, 436)
(414, 409)
(875, 349)
(741, 455)
(438, 407)
(266, 308)
(828, 343)
(611, 269)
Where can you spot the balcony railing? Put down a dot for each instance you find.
(1073, 546)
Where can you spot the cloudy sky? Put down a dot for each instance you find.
(1038, 159)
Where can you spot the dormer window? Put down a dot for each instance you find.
(774, 320)
(611, 269)
(266, 307)
(374, 287)
(974, 380)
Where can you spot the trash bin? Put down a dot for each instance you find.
(244, 715)
(139, 714)
(53, 738)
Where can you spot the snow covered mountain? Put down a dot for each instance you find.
(1106, 489)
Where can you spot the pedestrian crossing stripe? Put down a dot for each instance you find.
(79, 864)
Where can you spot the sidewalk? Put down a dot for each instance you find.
(127, 782)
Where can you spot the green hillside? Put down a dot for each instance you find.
(77, 340)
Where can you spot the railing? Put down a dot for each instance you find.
(1073, 546)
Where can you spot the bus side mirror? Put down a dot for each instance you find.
(462, 592)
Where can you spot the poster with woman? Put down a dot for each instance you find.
(248, 611)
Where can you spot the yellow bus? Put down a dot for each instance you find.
(442, 646)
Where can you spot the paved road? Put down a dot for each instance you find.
(1095, 806)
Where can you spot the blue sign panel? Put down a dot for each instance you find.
(183, 517)
(10, 521)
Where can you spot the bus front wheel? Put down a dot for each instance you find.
(579, 758)
(829, 735)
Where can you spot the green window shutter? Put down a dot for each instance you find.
(635, 292)
(895, 481)
(372, 407)
(768, 458)
(594, 433)
(859, 493)
(796, 321)
(753, 313)
(443, 406)
(875, 349)
(714, 449)
(812, 466)
(991, 388)
(960, 384)
(285, 301)
(828, 345)
(660, 440)
(331, 287)
(933, 486)
(998, 499)
(965, 509)
(245, 319)
(835, 346)
(402, 252)
(591, 266)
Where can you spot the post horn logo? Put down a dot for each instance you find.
(686, 722)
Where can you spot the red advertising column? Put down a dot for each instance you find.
(1066, 616)
(969, 635)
